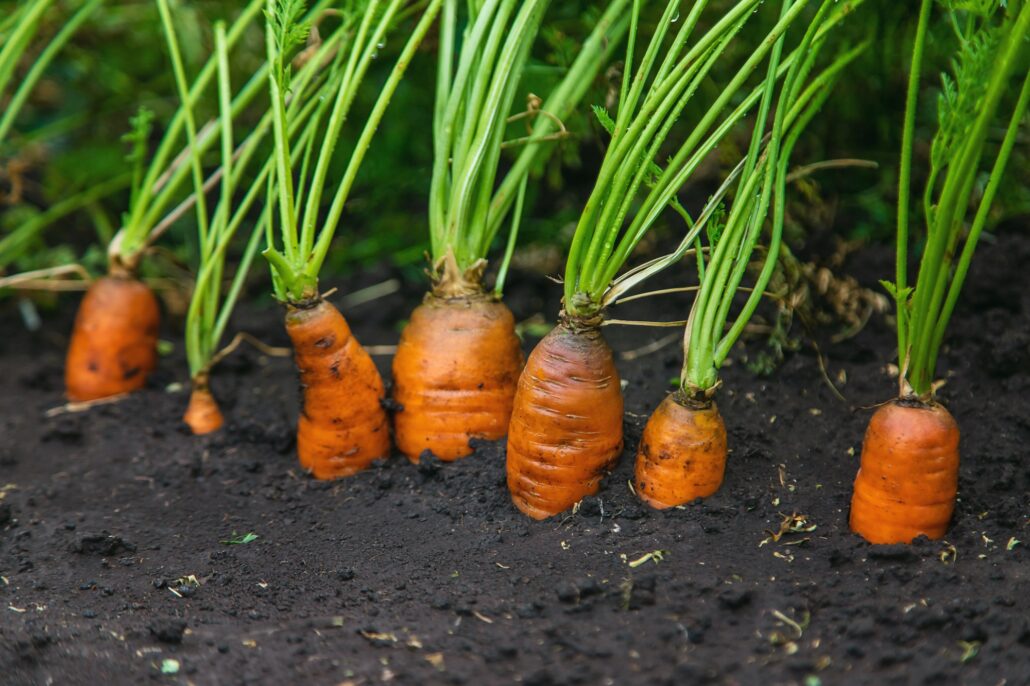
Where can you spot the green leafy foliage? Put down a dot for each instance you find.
(289, 30)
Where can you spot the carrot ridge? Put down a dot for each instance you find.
(682, 453)
(455, 372)
(908, 478)
(566, 425)
(342, 427)
(113, 345)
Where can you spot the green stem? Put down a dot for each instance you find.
(904, 181)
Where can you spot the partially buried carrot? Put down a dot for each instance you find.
(682, 453)
(908, 477)
(342, 427)
(566, 426)
(203, 414)
(455, 372)
(114, 343)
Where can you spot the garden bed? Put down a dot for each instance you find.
(112, 525)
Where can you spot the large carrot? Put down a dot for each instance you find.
(908, 478)
(566, 426)
(455, 373)
(682, 453)
(114, 343)
(342, 427)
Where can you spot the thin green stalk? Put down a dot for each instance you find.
(509, 250)
(904, 181)
(980, 220)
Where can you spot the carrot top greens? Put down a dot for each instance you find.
(474, 98)
(305, 234)
(631, 190)
(992, 48)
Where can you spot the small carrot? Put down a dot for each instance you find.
(566, 425)
(203, 414)
(114, 343)
(908, 477)
(342, 427)
(455, 372)
(682, 453)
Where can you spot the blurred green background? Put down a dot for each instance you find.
(69, 136)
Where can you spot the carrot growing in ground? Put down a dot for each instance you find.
(458, 358)
(908, 478)
(113, 346)
(342, 427)
(209, 312)
(682, 452)
(566, 426)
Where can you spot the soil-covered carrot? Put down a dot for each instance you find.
(114, 343)
(682, 453)
(104, 334)
(459, 357)
(342, 426)
(569, 388)
(907, 482)
(203, 415)
(908, 478)
(455, 372)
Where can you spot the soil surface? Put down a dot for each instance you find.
(117, 566)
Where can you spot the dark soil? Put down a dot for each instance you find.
(113, 525)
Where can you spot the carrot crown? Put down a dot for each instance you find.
(474, 98)
(992, 48)
(306, 236)
(631, 190)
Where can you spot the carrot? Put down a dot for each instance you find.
(454, 374)
(908, 478)
(203, 414)
(342, 427)
(566, 425)
(114, 343)
(682, 454)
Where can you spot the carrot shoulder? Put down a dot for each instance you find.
(566, 425)
(455, 372)
(113, 347)
(908, 478)
(682, 453)
(342, 427)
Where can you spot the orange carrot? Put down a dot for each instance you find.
(203, 414)
(908, 478)
(455, 372)
(566, 426)
(114, 343)
(682, 454)
(342, 427)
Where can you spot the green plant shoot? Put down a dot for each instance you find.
(473, 100)
(306, 233)
(993, 47)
